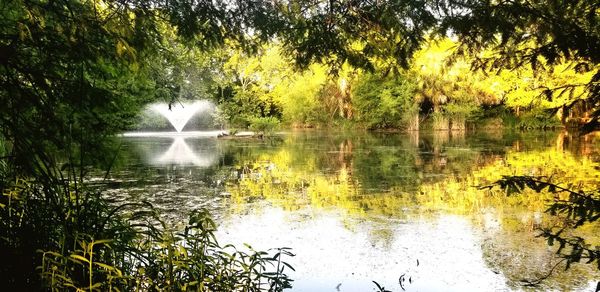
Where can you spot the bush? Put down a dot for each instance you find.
(384, 102)
(264, 125)
(537, 119)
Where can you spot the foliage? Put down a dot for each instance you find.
(360, 33)
(183, 72)
(384, 102)
(63, 77)
(300, 97)
(72, 74)
(264, 126)
(444, 80)
(101, 247)
(540, 34)
(578, 209)
(246, 83)
(549, 37)
(372, 35)
(152, 120)
(220, 119)
(451, 90)
(537, 119)
(266, 84)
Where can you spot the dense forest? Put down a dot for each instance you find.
(73, 73)
(264, 86)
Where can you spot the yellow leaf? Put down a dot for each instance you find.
(105, 266)
(78, 257)
(24, 32)
(120, 48)
(97, 285)
(102, 241)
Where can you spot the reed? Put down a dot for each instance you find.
(74, 240)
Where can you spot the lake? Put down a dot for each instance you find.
(403, 210)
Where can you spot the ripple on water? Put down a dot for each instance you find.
(356, 252)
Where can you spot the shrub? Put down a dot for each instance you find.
(384, 102)
(537, 119)
(264, 125)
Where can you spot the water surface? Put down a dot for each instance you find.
(360, 207)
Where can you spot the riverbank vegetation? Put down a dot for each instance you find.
(71, 239)
(439, 91)
(75, 73)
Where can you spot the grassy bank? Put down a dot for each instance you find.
(65, 236)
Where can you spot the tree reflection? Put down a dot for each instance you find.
(394, 178)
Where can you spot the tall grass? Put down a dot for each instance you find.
(53, 240)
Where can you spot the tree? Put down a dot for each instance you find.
(541, 34)
(385, 102)
(356, 32)
(449, 91)
(250, 80)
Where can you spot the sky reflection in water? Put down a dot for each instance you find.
(364, 207)
(331, 253)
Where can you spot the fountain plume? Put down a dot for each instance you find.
(180, 113)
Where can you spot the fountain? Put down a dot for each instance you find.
(179, 152)
(180, 113)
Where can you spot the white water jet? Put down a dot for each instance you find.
(180, 113)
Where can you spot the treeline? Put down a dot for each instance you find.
(438, 90)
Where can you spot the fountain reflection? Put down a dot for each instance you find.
(178, 149)
(180, 153)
